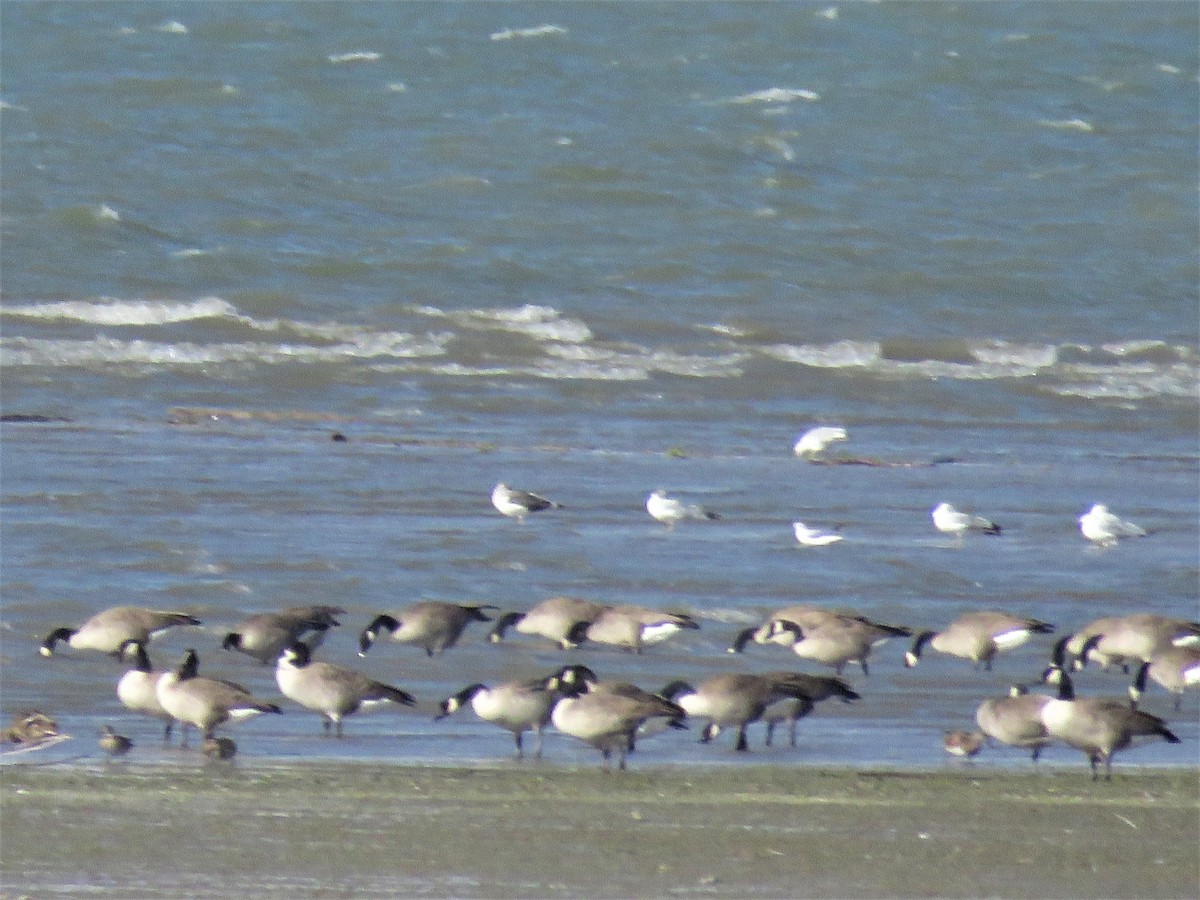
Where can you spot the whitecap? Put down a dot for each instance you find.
(355, 56)
(537, 31)
(106, 213)
(172, 27)
(1019, 356)
(125, 312)
(539, 322)
(829, 13)
(838, 355)
(1079, 125)
(777, 95)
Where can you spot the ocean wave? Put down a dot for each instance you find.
(355, 56)
(543, 323)
(509, 34)
(776, 95)
(107, 351)
(127, 312)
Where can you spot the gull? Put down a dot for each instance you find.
(518, 504)
(668, 510)
(816, 441)
(1105, 529)
(949, 520)
(813, 537)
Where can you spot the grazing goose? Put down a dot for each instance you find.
(331, 690)
(580, 679)
(1098, 727)
(557, 619)
(814, 442)
(219, 748)
(965, 744)
(669, 510)
(634, 627)
(206, 702)
(1135, 638)
(138, 688)
(1176, 669)
(608, 720)
(108, 631)
(732, 699)
(265, 635)
(793, 709)
(806, 616)
(114, 744)
(978, 637)
(949, 520)
(517, 706)
(1104, 529)
(835, 643)
(1015, 720)
(813, 537)
(518, 504)
(433, 624)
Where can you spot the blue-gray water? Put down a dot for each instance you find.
(594, 249)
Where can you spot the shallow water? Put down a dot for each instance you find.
(617, 253)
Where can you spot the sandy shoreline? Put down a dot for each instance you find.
(372, 830)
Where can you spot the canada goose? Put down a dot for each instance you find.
(518, 504)
(733, 699)
(114, 744)
(433, 624)
(556, 619)
(1133, 638)
(265, 635)
(1096, 726)
(813, 537)
(669, 510)
(816, 441)
(978, 637)
(107, 631)
(806, 616)
(580, 679)
(838, 642)
(138, 688)
(962, 743)
(219, 748)
(517, 706)
(31, 728)
(1104, 529)
(206, 702)
(793, 709)
(331, 690)
(634, 627)
(1015, 720)
(608, 720)
(949, 520)
(1175, 668)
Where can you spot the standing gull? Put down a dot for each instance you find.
(517, 504)
(1104, 529)
(668, 510)
(813, 443)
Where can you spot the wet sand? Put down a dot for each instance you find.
(249, 829)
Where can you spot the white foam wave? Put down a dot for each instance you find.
(126, 312)
(103, 350)
(1080, 125)
(543, 323)
(509, 34)
(172, 27)
(355, 56)
(838, 355)
(777, 95)
(1021, 356)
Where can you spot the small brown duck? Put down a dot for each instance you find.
(114, 744)
(30, 728)
(218, 748)
(963, 743)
